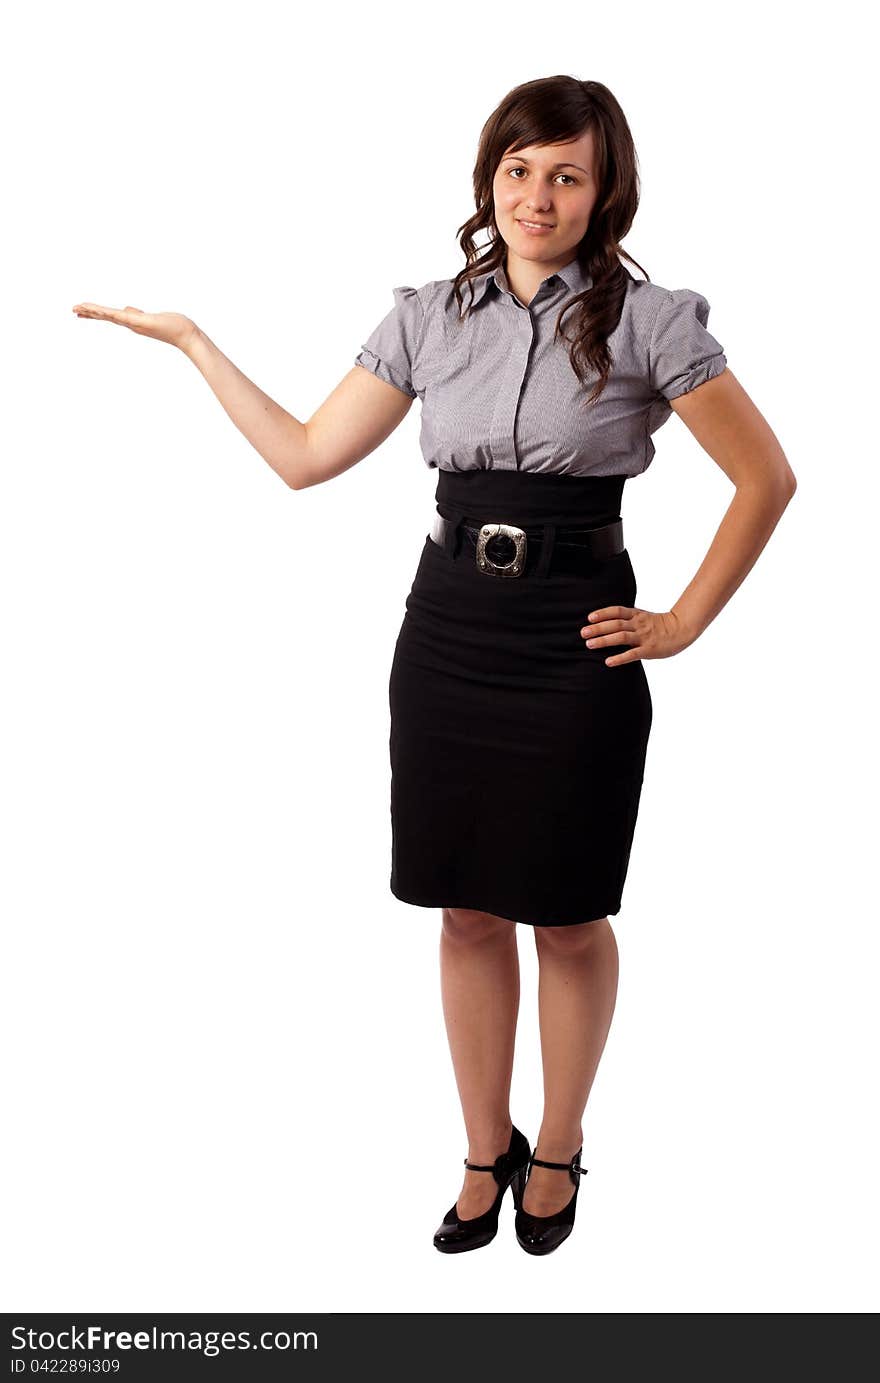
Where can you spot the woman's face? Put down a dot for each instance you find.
(552, 184)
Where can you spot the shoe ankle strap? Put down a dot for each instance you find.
(506, 1161)
(557, 1166)
(573, 1167)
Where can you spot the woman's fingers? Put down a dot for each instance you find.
(132, 317)
(622, 634)
(106, 314)
(608, 621)
(600, 619)
(609, 633)
(172, 327)
(648, 633)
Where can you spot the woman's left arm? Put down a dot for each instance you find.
(739, 439)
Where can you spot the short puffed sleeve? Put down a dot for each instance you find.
(390, 350)
(683, 353)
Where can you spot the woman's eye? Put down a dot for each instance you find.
(561, 175)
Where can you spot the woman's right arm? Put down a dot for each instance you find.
(352, 422)
(355, 419)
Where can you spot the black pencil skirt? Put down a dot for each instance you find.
(517, 754)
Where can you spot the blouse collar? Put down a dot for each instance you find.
(573, 276)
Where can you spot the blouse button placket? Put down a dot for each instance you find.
(501, 435)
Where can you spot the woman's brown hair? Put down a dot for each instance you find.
(554, 110)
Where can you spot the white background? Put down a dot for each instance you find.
(226, 1071)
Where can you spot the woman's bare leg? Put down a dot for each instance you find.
(577, 991)
(479, 977)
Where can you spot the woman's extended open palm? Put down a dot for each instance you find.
(172, 327)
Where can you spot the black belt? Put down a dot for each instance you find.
(504, 549)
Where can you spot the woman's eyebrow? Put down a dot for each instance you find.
(520, 159)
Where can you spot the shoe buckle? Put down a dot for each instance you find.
(510, 531)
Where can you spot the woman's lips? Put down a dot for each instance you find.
(534, 228)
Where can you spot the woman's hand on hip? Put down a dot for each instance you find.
(647, 634)
(171, 327)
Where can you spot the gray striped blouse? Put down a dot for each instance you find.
(498, 394)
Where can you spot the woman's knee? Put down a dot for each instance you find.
(577, 939)
(471, 926)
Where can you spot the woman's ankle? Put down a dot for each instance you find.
(559, 1144)
(489, 1141)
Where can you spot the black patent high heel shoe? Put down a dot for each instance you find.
(544, 1233)
(456, 1235)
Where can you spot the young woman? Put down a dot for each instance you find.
(520, 708)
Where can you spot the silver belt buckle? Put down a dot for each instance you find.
(501, 530)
